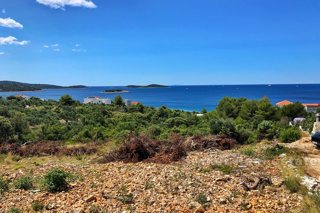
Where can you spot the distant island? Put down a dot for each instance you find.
(13, 86)
(147, 86)
(115, 91)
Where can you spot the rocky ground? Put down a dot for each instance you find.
(191, 185)
(311, 155)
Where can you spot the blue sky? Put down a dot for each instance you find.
(120, 42)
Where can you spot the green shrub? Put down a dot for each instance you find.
(248, 151)
(225, 168)
(56, 180)
(24, 183)
(14, 210)
(271, 152)
(37, 206)
(311, 203)
(293, 184)
(202, 199)
(4, 185)
(290, 135)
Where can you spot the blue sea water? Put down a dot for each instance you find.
(190, 98)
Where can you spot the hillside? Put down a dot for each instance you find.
(6, 86)
(147, 86)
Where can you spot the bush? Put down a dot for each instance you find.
(24, 183)
(290, 135)
(225, 168)
(4, 185)
(202, 199)
(293, 184)
(37, 206)
(271, 152)
(14, 210)
(56, 180)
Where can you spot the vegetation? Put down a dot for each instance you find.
(56, 180)
(68, 121)
(290, 135)
(147, 86)
(14, 210)
(115, 91)
(24, 183)
(37, 206)
(18, 86)
(4, 185)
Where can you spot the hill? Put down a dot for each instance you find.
(6, 86)
(147, 86)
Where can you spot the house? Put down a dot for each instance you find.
(97, 100)
(283, 103)
(127, 102)
(311, 107)
(135, 103)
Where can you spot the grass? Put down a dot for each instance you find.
(272, 152)
(37, 206)
(14, 210)
(4, 185)
(24, 183)
(293, 184)
(311, 203)
(225, 168)
(248, 150)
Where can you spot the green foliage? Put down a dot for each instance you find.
(14, 210)
(4, 185)
(24, 183)
(225, 168)
(293, 110)
(266, 130)
(293, 184)
(202, 199)
(6, 129)
(66, 100)
(271, 152)
(56, 180)
(118, 101)
(290, 135)
(37, 206)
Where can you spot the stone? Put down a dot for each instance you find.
(91, 199)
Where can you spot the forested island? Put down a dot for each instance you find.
(147, 86)
(115, 91)
(12, 86)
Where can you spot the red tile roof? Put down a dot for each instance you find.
(311, 105)
(284, 103)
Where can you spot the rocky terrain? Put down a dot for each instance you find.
(205, 181)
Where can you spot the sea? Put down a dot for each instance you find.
(189, 98)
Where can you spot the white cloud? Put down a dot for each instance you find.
(9, 22)
(55, 45)
(12, 40)
(61, 4)
(1, 53)
(46, 46)
(77, 45)
(78, 50)
(56, 50)
(3, 11)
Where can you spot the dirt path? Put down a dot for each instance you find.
(312, 158)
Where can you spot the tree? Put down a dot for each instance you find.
(66, 100)
(118, 101)
(6, 129)
(293, 110)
